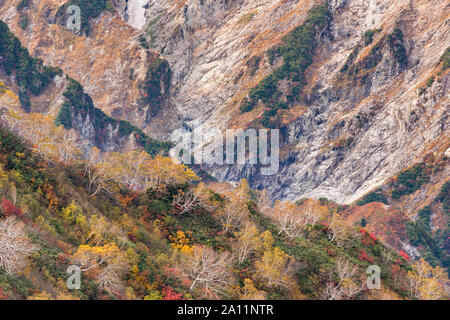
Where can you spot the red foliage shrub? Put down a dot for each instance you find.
(364, 257)
(404, 255)
(170, 294)
(395, 269)
(62, 260)
(368, 237)
(331, 252)
(7, 208)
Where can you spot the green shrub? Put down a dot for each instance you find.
(420, 234)
(444, 197)
(395, 40)
(90, 9)
(430, 81)
(368, 36)
(143, 42)
(247, 105)
(23, 22)
(110, 6)
(372, 197)
(253, 64)
(32, 76)
(410, 180)
(297, 50)
(446, 59)
(77, 102)
(23, 4)
(157, 83)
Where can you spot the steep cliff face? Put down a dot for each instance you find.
(40, 97)
(208, 45)
(362, 119)
(368, 108)
(359, 130)
(358, 88)
(112, 62)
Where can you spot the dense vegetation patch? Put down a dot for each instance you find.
(395, 40)
(23, 4)
(372, 197)
(253, 64)
(90, 9)
(444, 197)
(410, 180)
(32, 76)
(79, 103)
(446, 59)
(368, 36)
(435, 245)
(156, 85)
(317, 254)
(361, 69)
(155, 238)
(296, 49)
(51, 196)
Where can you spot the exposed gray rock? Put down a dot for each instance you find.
(385, 123)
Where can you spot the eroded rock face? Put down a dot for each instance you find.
(208, 44)
(382, 121)
(110, 63)
(350, 134)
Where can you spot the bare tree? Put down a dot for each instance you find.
(263, 201)
(99, 172)
(338, 230)
(342, 282)
(66, 145)
(233, 215)
(15, 246)
(133, 168)
(208, 270)
(292, 219)
(193, 198)
(386, 254)
(43, 137)
(110, 277)
(186, 201)
(108, 260)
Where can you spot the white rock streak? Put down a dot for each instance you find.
(136, 13)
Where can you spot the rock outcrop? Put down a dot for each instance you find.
(369, 108)
(354, 131)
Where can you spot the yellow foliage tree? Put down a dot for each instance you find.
(181, 242)
(275, 269)
(162, 172)
(250, 292)
(426, 282)
(248, 241)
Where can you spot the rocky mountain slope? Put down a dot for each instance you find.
(111, 71)
(359, 91)
(378, 117)
(349, 132)
(43, 98)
